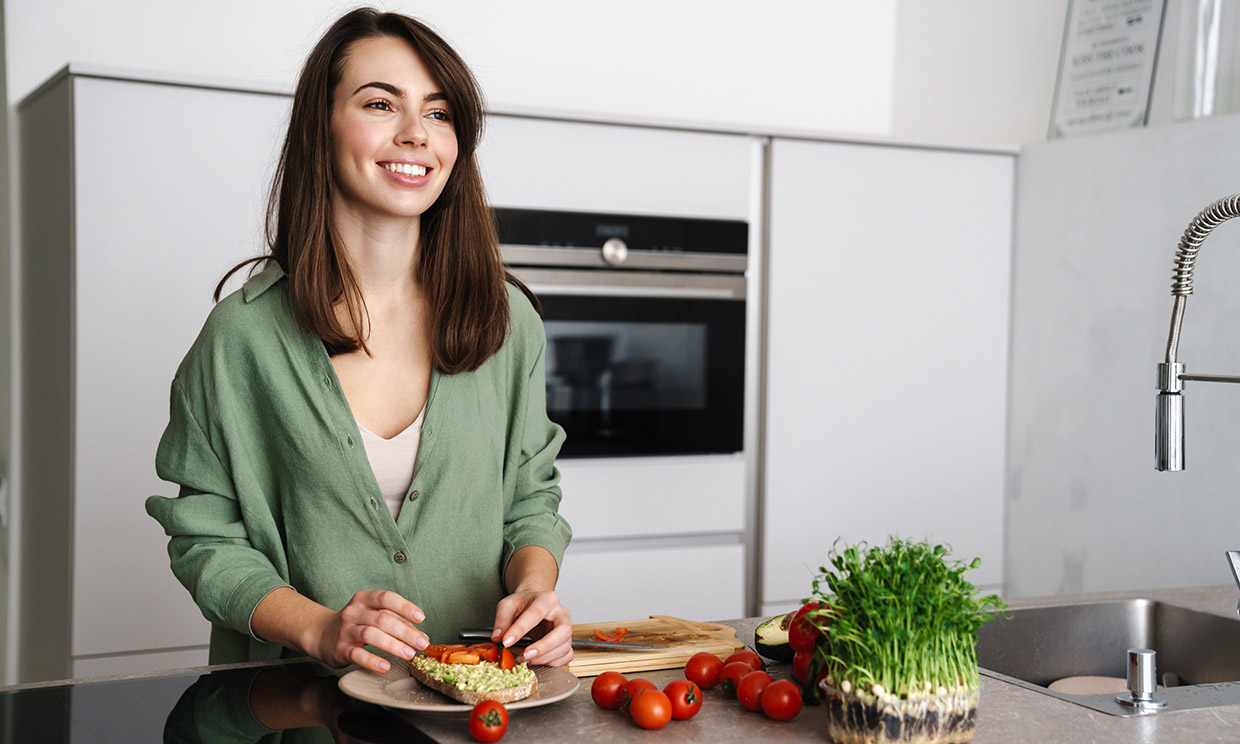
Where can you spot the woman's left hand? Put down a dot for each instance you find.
(539, 614)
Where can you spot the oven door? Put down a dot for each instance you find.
(643, 363)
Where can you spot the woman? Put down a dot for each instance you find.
(381, 329)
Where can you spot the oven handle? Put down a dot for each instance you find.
(631, 284)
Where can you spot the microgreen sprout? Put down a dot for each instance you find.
(898, 621)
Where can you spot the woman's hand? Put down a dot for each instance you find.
(540, 614)
(372, 618)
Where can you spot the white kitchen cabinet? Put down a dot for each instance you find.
(887, 346)
(136, 198)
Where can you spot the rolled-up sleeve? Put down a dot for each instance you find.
(209, 546)
(532, 515)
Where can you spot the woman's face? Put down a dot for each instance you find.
(393, 142)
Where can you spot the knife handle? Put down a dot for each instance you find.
(484, 634)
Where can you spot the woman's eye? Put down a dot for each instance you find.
(379, 105)
(440, 115)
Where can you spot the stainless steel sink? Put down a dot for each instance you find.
(1198, 652)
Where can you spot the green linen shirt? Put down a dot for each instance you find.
(276, 489)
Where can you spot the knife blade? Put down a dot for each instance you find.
(484, 634)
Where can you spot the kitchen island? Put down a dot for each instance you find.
(211, 704)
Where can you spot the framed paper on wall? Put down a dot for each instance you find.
(1106, 69)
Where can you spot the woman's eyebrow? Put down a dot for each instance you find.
(399, 93)
(388, 87)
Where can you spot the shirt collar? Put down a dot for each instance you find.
(262, 281)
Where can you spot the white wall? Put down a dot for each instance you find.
(976, 71)
(793, 63)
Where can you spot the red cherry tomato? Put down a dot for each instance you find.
(488, 721)
(749, 657)
(607, 688)
(731, 676)
(802, 632)
(632, 688)
(686, 698)
(651, 709)
(781, 700)
(749, 691)
(800, 664)
(704, 669)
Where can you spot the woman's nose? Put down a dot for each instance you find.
(412, 131)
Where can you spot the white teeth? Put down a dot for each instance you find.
(407, 169)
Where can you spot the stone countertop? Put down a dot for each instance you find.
(1007, 713)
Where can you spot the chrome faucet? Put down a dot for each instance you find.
(1169, 420)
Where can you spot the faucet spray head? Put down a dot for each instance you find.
(1169, 418)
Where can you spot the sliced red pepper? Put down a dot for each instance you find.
(506, 660)
(612, 637)
(485, 651)
(463, 657)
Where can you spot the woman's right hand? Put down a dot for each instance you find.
(378, 618)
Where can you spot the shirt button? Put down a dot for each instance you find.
(327, 380)
(399, 557)
(350, 440)
(374, 504)
(413, 496)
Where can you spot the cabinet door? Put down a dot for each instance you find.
(170, 187)
(694, 582)
(887, 354)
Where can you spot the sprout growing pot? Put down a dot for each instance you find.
(950, 718)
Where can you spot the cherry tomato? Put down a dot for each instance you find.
(704, 669)
(651, 709)
(781, 700)
(730, 677)
(488, 721)
(506, 661)
(607, 688)
(802, 632)
(749, 657)
(630, 689)
(800, 664)
(686, 698)
(749, 691)
(611, 637)
(485, 651)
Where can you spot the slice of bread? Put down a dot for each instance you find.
(469, 697)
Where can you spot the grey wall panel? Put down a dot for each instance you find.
(1098, 220)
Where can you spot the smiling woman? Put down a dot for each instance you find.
(382, 356)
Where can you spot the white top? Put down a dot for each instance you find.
(392, 460)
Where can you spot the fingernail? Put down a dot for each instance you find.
(406, 652)
(421, 642)
(530, 653)
(384, 666)
(418, 616)
(509, 641)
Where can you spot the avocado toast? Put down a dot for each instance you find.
(474, 674)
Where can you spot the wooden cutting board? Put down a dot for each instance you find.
(683, 639)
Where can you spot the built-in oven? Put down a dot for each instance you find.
(645, 321)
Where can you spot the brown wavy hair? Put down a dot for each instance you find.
(459, 266)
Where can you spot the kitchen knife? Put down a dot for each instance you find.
(484, 634)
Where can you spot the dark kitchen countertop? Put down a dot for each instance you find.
(172, 706)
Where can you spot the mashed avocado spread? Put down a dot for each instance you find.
(485, 676)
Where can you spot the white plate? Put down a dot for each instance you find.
(398, 689)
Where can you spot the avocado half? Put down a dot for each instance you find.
(771, 638)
